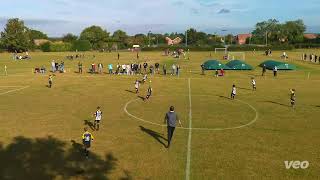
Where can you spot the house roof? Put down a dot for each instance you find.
(310, 36)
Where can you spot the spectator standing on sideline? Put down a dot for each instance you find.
(80, 67)
(170, 119)
(110, 68)
(53, 66)
(164, 69)
(100, 68)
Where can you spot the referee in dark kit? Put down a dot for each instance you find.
(170, 119)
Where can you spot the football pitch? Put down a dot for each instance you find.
(250, 137)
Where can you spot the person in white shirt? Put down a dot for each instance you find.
(98, 117)
(275, 71)
(53, 66)
(137, 85)
(254, 87)
(233, 92)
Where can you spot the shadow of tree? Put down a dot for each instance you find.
(127, 176)
(50, 158)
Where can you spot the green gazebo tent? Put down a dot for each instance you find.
(239, 65)
(214, 65)
(270, 64)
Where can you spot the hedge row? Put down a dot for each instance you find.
(191, 48)
(230, 48)
(80, 45)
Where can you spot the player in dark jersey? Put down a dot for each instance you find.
(87, 137)
(149, 92)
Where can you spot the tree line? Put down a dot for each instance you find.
(16, 36)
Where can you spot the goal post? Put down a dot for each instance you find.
(225, 50)
(237, 55)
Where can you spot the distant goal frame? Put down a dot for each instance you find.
(225, 50)
(231, 55)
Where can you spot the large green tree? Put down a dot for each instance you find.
(275, 32)
(97, 37)
(120, 38)
(35, 34)
(16, 36)
(69, 38)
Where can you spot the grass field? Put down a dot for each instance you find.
(249, 138)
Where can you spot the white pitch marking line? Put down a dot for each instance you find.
(190, 134)
(19, 89)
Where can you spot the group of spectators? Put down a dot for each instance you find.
(56, 67)
(311, 57)
(71, 57)
(16, 56)
(133, 69)
(268, 52)
(143, 68)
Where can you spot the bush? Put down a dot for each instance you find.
(45, 47)
(56, 47)
(306, 45)
(60, 47)
(81, 45)
(191, 48)
(260, 47)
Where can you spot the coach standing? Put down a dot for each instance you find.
(170, 119)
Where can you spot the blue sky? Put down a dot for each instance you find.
(57, 17)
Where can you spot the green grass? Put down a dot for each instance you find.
(47, 120)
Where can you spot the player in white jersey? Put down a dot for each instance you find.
(98, 117)
(145, 77)
(233, 92)
(254, 86)
(137, 85)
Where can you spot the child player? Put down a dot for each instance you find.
(293, 98)
(149, 92)
(253, 81)
(136, 85)
(145, 77)
(233, 92)
(98, 115)
(50, 81)
(86, 139)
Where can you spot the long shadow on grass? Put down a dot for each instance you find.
(90, 124)
(244, 88)
(273, 102)
(157, 136)
(133, 92)
(225, 97)
(142, 98)
(51, 158)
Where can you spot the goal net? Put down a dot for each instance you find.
(236, 55)
(224, 50)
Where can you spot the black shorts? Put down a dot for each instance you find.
(97, 121)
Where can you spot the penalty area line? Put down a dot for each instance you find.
(14, 90)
